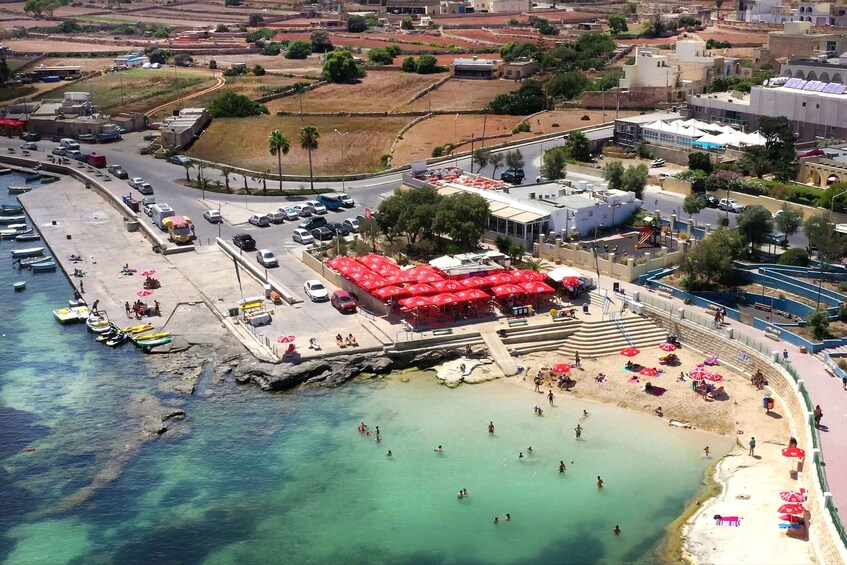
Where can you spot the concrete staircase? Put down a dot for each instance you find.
(544, 337)
(603, 337)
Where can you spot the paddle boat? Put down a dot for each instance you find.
(81, 312)
(27, 236)
(10, 210)
(43, 266)
(18, 286)
(30, 260)
(19, 189)
(28, 252)
(32, 177)
(98, 322)
(65, 316)
(138, 329)
(12, 219)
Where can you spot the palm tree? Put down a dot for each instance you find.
(188, 165)
(496, 159)
(278, 145)
(226, 171)
(309, 140)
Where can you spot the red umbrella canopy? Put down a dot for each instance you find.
(420, 289)
(416, 302)
(507, 290)
(445, 298)
(393, 279)
(475, 282)
(561, 368)
(390, 292)
(669, 347)
(535, 287)
(570, 282)
(285, 339)
(527, 275)
(498, 279)
(630, 352)
(714, 377)
(373, 260)
(348, 269)
(414, 272)
(792, 496)
(793, 452)
(361, 275)
(386, 269)
(372, 283)
(447, 286)
(473, 294)
(790, 518)
(339, 262)
(429, 277)
(791, 509)
(699, 373)
(648, 372)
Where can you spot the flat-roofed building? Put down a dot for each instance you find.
(475, 68)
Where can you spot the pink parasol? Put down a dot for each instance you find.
(790, 518)
(571, 282)
(561, 368)
(148, 273)
(795, 508)
(447, 286)
(527, 275)
(630, 352)
(507, 290)
(649, 372)
(793, 452)
(143, 293)
(420, 289)
(714, 377)
(285, 339)
(535, 287)
(444, 299)
(792, 496)
(699, 373)
(475, 282)
(669, 347)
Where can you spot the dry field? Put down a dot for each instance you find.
(46, 46)
(87, 65)
(409, 43)
(277, 63)
(462, 94)
(243, 142)
(733, 36)
(379, 91)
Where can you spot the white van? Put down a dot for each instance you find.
(68, 143)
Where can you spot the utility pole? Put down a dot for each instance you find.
(343, 135)
(472, 140)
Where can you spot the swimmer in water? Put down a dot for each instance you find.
(461, 494)
(599, 482)
(508, 516)
(388, 453)
(378, 439)
(578, 430)
(437, 449)
(529, 449)
(497, 519)
(491, 427)
(706, 451)
(584, 414)
(376, 430)
(520, 455)
(464, 492)
(617, 530)
(562, 466)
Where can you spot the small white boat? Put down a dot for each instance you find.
(26, 262)
(27, 236)
(28, 252)
(98, 322)
(19, 189)
(65, 316)
(76, 302)
(14, 233)
(12, 219)
(44, 266)
(18, 286)
(81, 312)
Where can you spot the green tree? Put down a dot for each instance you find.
(161, 33)
(463, 217)
(482, 157)
(830, 244)
(259, 70)
(555, 164)
(514, 159)
(617, 24)
(712, 260)
(341, 67)
(232, 105)
(309, 141)
(797, 257)
(780, 144)
(635, 179)
(518, 50)
(718, 5)
(298, 50)
(613, 172)
(380, 56)
(755, 223)
(406, 22)
(409, 213)
(700, 161)
(409, 65)
(692, 205)
(188, 165)
(278, 145)
(756, 160)
(320, 41)
(255, 20)
(496, 161)
(819, 324)
(5, 71)
(578, 147)
(356, 24)
(226, 171)
(788, 220)
(569, 84)
(427, 64)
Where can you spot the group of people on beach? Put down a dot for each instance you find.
(140, 309)
(349, 341)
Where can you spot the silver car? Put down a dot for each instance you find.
(275, 217)
(267, 258)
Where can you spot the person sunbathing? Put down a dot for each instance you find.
(352, 340)
(339, 340)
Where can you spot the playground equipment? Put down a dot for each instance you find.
(648, 234)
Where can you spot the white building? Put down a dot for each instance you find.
(765, 12)
(500, 6)
(650, 70)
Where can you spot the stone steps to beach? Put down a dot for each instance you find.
(603, 337)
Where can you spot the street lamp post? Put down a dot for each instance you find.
(343, 134)
(832, 204)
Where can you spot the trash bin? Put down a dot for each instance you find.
(616, 287)
(268, 290)
(233, 312)
(131, 225)
(585, 308)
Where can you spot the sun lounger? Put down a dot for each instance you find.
(711, 361)
(727, 520)
(715, 393)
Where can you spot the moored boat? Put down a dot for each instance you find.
(47, 179)
(81, 312)
(28, 252)
(11, 209)
(19, 189)
(119, 339)
(65, 316)
(18, 286)
(98, 322)
(5, 171)
(32, 177)
(27, 261)
(43, 266)
(76, 302)
(19, 219)
(15, 232)
(24, 237)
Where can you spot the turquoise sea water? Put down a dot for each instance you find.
(287, 478)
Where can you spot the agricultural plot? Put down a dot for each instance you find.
(461, 94)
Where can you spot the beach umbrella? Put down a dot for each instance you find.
(148, 273)
(473, 294)
(444, 299)
(790, 518)
(416, 302)
(420, 289)
(475, 282)
(630, 352)
(649, 372)
(285, 339)
(792, 496)
(429, 278)
(143, 293)
(699, 373)
(507, 290)
(571, 282)
(500, 279)
(361, 275)
(372, 283)
(447, 286)
(535, 287)
(561, 368)
(793, 451)
(714, 377)
(527, 275)
(669, 347)
(386, 270)
(795, 508)
(352, 267)
(339, 262)
(390, 292)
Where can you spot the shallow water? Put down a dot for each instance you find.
(287, 478)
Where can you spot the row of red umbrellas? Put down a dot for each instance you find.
(444, 299)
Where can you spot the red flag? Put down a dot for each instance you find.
(368, 213)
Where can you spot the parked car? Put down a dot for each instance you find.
(31, 136)
(339, 228)
(275, 217)
(709, 200)
(304, 210)
(145, 188)
(312, 223)
(317, 207)
(135, 182)
(316, 291)
(346, 200)
(180, 160)
(60, 151)
(266, 258)
(30, 146)
(259, 220)
(87, 137)
(322, 233)
(302, 236)
(731, 205)
(213, 216)
(244, 241)
(352, 223)
(777, 238)
(118, 171)
(151, 137)
(342, 301)
(290, 213)
(513, 176)
(658, 163)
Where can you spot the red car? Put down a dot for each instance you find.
(342, 301)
